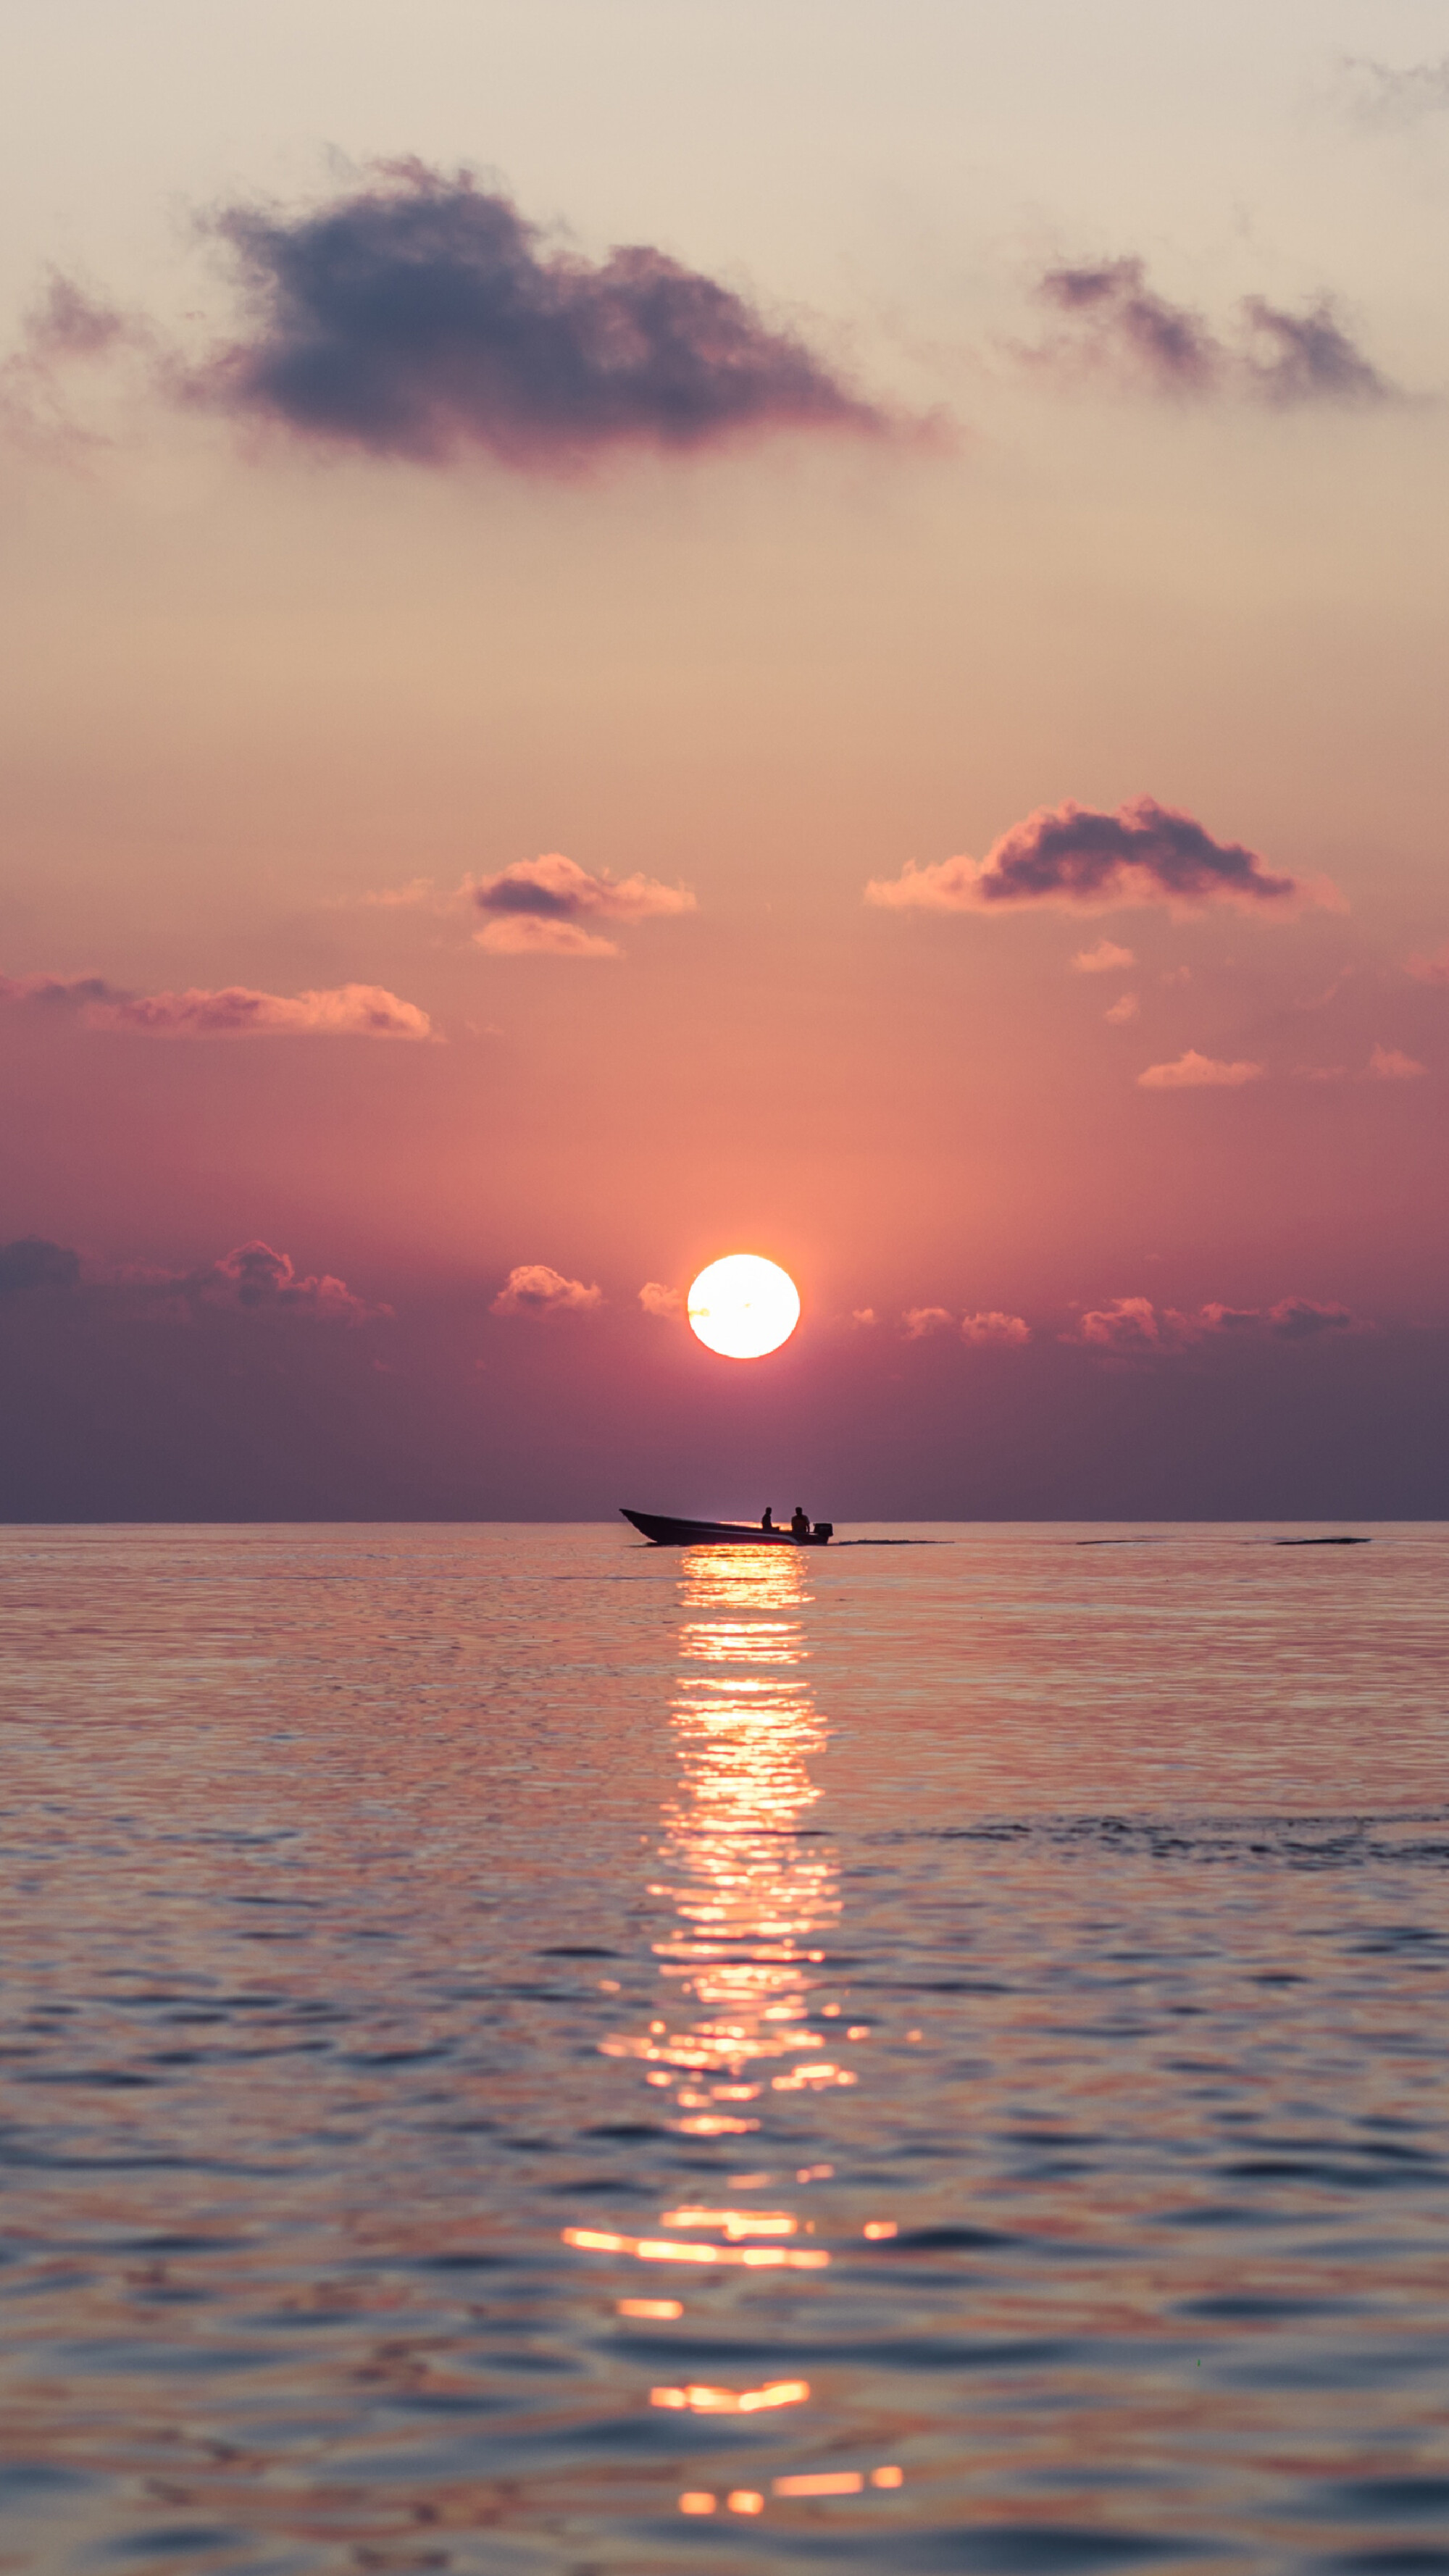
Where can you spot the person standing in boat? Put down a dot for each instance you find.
(799, 1522)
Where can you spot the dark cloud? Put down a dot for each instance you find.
(1078, 859)
(1115, 324)
(422, 316)
(31, 1262)
(1121, 320)
(1307, 357)
(258, 1280)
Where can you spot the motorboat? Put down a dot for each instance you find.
(664, 1532)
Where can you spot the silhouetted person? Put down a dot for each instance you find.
(765, 1520)
(799, 1524)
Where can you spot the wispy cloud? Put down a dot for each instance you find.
(1116, 326)
(1081, 860)
(1106, 958)
(1123, 1009)
(1390, 1064)
(1194, 1072)
(1394, 94)
(532, 1288)
(1430, 970)
(235, 1011)
(421, 316)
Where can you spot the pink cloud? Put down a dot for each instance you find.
(1390, 1064)
(918, 1321)
(1079, 860)
(1319, 1072)
(656, 1299)
(539, 907)
(1122, 1010)
(523, 935)
(1132, 1327)
(1106, 958)
(864, 1316)
(535, 1289)
(1009, 1331)
(1430, 970)
(236, 1011)
(1194, 1072)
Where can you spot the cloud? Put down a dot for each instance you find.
(1319, 1072)
(1010, 1331)
(534, 1289)
(421, 316)
(865, 1316)
(1080, 860)
(347, 1011)
(1298, 1319)
(1133, 1328)
(1122, 1010)
(256, 1280)
(1106, 958)
(1390, 1064)
(524, 935)
(539, 907)
(1194, 1072)
(67, 326)
(1386, 94)
(1117, 326)
(1306, 357)
(656, 1299)
(1129, 1326)
(918, 1321)
(1430, 970)
(31, 1262)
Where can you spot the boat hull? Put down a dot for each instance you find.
(664, 1532)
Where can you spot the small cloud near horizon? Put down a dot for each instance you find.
(1077, 859)
(1135, 1328)
(656, 1299)
(1106, 958)
(236, 1011)
(1194, 1072)
(534, 1289)
(421, 316)
(918, 1321)
(251, 1279)
(1008, 1332)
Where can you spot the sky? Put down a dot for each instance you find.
(638, 631)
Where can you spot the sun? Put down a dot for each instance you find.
(744, 1306)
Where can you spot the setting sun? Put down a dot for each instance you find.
(744, 1306)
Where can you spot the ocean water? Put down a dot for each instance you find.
(531, 2054)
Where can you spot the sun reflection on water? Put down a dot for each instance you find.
(755, 1891)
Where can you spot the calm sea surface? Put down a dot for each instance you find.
(524, 2052)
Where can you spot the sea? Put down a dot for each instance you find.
(533, 2055)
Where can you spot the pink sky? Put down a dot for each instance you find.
(893, 720)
